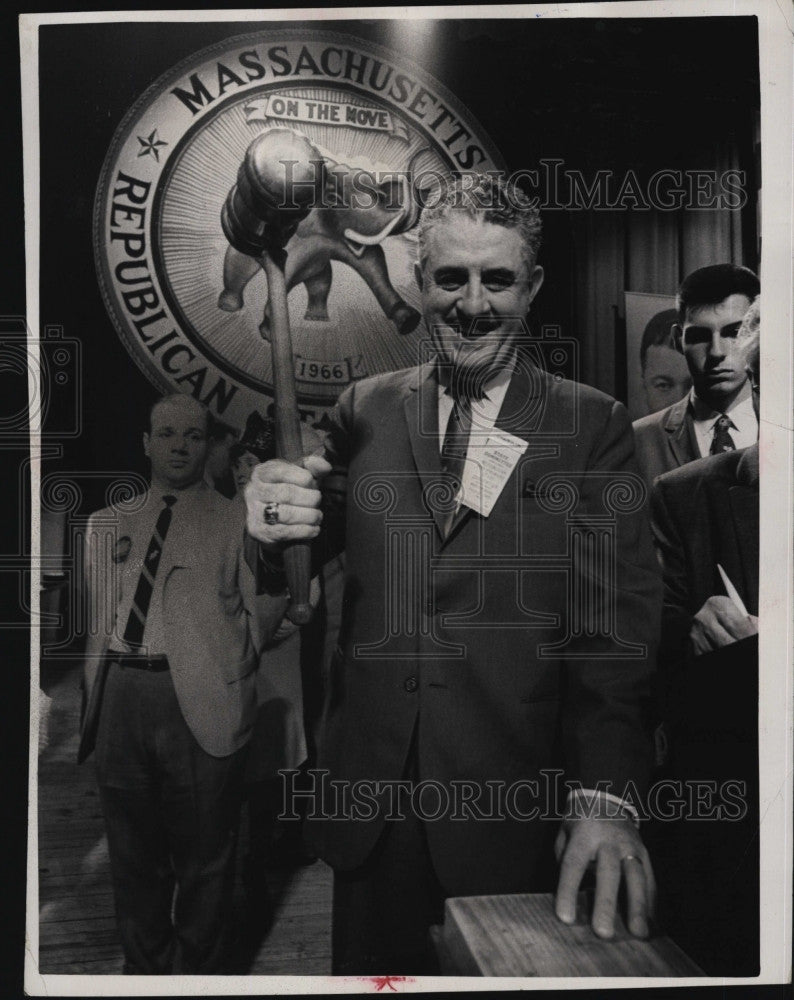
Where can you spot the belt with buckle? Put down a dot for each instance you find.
(154, 664)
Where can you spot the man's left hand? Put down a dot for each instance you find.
(614, 845)
(720, 623)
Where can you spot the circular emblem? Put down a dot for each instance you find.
(191, 308)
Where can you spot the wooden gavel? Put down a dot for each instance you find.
(279, 182)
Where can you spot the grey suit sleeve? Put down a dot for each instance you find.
(677, 613)
(608, 674)
(675, 650)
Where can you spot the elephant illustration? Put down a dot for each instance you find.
(361, 207)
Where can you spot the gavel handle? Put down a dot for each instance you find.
(297, 555)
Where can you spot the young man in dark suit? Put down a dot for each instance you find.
(464, 662)
(717, 414)
(705, 522)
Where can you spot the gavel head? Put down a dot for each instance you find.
(279, 181)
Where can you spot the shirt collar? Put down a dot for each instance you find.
(187, 495)
(494, 388)
(740, 409)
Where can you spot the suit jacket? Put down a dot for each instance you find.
(708, 872)
(213, 621)
(665, 440)
(703, 515)
(464, 648)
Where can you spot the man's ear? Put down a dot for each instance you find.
(419, 276)
(535, 281)
(146, 443)
(677, 333)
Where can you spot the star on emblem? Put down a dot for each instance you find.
(150, 145)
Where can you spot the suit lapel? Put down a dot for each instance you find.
(744, 514)
(421, 417)
(194, 520)
(681, 431)
(732, 511)
(524, 403)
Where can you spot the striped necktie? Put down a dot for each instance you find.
(133, 633)
(722, 440)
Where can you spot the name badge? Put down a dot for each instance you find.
(488, 468)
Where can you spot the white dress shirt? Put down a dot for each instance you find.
(744, 423)
(484, 412)
(179, 530)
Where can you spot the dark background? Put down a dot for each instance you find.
(599, 94)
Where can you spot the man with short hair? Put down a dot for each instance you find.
(717, 415)
(461, 663)
(664, 371)
(171, 696)
(705, 523)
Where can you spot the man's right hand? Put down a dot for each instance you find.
(720, 623)
(294, 489)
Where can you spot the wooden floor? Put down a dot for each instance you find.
(77, 930)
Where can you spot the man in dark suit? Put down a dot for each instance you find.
(476, 656)
(171, 696)
(705, 521)
(717, 413)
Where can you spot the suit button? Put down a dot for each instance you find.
(411, 684)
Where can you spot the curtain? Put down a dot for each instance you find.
(641, 250)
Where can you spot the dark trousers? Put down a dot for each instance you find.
(708, 864)
(383, 911)
(708, 869)
(171, 813)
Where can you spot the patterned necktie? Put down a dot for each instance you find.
(133, 633)
(722, 439)
(456, 439)
(454, 449)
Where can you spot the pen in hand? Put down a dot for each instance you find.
(732, 592)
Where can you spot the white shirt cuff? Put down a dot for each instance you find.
(584, 803)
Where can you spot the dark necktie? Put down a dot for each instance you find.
(453, 452)
(456, 439)
(722, 439)
(133, 633)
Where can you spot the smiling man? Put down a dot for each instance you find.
(717, 415)
(463, 682)
(477, 281)
(171, 697)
